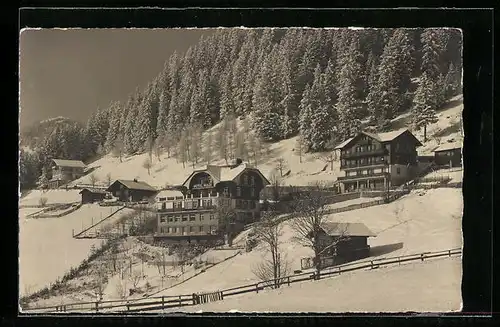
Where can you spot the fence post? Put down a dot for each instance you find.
(399, 261)
(257, 288)
(163, 302)
(449, 253)
(422, 257)
(180, 301)
(371, 264)
(222, 295)
(97, 306)
(288, 280)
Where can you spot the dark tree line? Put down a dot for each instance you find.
(320, 83)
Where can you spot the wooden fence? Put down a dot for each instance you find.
(165, 302)
(82, 233)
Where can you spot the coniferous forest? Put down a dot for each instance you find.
(321, 84)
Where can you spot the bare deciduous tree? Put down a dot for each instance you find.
(299, 146)
(42, 201)
(134, 278)
(281, 165)
(328, 157)
(268, 233)
(147, 164)
(276, 186)
(207, 149)
(121, 289)
(100, 282)
(93, 179)
(149, 147)
(117, 150)
(108, 179)
(157, 147)
(222, 143)
(311, 209)
(195, 145)
(225, 216)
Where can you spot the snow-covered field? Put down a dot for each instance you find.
(432, 286)
(53, 196)
(455, 174)
(47, 249)
(413, 224)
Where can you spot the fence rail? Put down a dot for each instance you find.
(82, 233)
(165, 302)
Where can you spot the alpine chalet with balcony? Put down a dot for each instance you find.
(194, 211)
(378, 161)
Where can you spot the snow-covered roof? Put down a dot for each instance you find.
(94, 190)
(448, 146)
(381, 137)
(226, 173)
(69, 163)
(346, 229)
(134, 185)
(169, 193)
(343, 144)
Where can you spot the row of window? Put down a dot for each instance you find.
(187, 229)
(366, 172)
(245, 204)
(362, 161)
(186, 217)
(445, 154)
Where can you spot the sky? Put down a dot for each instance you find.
(72, 72)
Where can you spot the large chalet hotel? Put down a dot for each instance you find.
(196, 209)
(378, 161)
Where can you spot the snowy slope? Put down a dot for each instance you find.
(305, 171)
(53, 196)
(47, 248)
(413, 224)
(432, 286)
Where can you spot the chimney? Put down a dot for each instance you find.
(236, 162)
(135, 180)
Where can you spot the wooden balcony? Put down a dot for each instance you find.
(363, 177)
(371, 153)
(366, 165)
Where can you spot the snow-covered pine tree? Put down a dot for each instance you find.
(114, 125)
(174, 120)
(208, 147)
(349, 105)
(305, 117)
(424, 105)
(200, 112)
(267, 100)
(452, 82)
(222, 144)
(240, 146)
(317, 113)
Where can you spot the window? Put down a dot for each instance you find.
(252, 180)
(162, 219)
(192, 217)
(200, 229)
(195, 204)
(177, 218)
(170, 218)
(183, 230)
(191, 229)
(202, 217)
(245, 179)
(252, 205)
(212, 217)
(177, 204)
(252, 191)
(343, 162)
(238, 191)
(184, 217)
(245, 204)
(174, 230)
(169, 230)
(398, 170)
(161, 229)
(162, 199)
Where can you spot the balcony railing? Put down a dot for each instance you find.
(365, 165)
(376, 152)
(366, 176)
(212, 207)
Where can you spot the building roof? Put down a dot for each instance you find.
(169, 193)
(69, 163)
(226, 173)
(93, 190)
(346, 229)
(448, 146)
(381, 137)
(134, 185)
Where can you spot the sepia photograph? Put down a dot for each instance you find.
(248, 170)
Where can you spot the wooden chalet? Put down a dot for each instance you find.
(91, 195)
(378, 161)
(193, 211)
(131, 190)
(65, 171)
(353, 243)
(448, 154)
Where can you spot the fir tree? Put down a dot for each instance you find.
(424, 105)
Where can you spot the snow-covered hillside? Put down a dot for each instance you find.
(47, 248)
(303, 170)
(432, 286)
(413, 224)
(52, 196)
